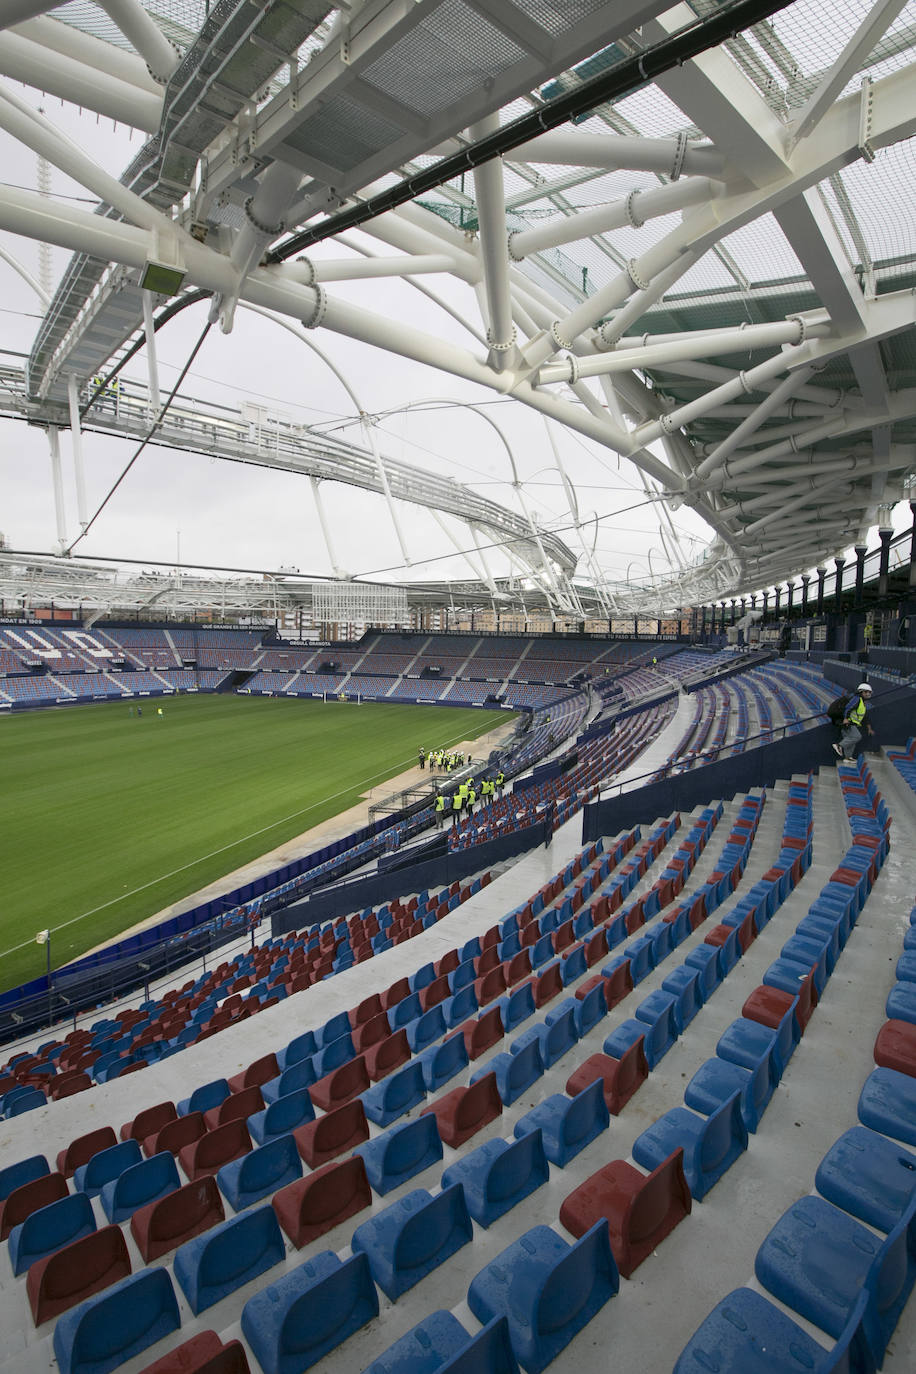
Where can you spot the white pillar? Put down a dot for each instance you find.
(76, 439)
(57, 481)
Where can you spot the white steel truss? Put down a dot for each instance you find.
(686, 275)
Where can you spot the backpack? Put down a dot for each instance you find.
(836, 711)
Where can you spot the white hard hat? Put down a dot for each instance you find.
(864, 687)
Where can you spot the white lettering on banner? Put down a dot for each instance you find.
(83, 640)
(36, 642)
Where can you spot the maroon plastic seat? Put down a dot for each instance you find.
(149, 1121)
(163, 1225)
(547, 985)
(767, 1005)
(68, 1084)
(595, 948)
(435, 992)
(396, 993)
(334, 1134)
(214, 1149)
(389, 1054)
(203, 1354)
(621, 1078)
(236, 1107)
(174, 1135)
(448, 963)
(322, 1200)
(481, 1033)
(895, 1047)
(698, 913)
(261, 1071)
(486, 961)
(562, 937)
(518, 967)
(81, 1150)
(371, 1032)
(340, 1085)
(640, 1210)
(367, 1009)
(635, 917)
(26, 1199)
(71, 1275)
(463, 1112)
(491, 985)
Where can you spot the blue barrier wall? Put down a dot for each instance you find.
(344, 898)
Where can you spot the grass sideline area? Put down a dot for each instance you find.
(108, 817)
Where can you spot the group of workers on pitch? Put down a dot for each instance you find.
(443, 759)
(464, 798)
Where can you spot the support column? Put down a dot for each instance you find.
(764, 604)
(777, 596)
(805, 579)
(861, 551)
(703, 608)
(839, 564)
(58, 484)
(790, 593)
(913, 548)
(76, 439)
(884, 534)
(821, 578)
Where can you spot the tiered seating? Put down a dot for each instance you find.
(904, 760)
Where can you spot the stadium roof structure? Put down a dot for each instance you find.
(689, 234)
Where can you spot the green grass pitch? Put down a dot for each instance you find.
(106, 818)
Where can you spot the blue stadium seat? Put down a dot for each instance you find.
(440, 1063)
(567, 1124)
(887, 1103)
(205, 1097)
(103, 1332)
(299, 1075)
(553, 1040)
(547, 1290)
(686, 986)
(282, 1115)
(746, 1332)
(217, 1263)
(717, 1079)
(412, 1237)
(296, 1321)
(300, 1047)
(590, 1009)
(145, 1182)
(499, 1174)
(393, 1096)
(817, 1260)
(425, 1029)
(332, 1055)
(710, 1144)
(515, 1073)
(15, 1175)
(49, 1229)
(458, 1007)
(516, 1007)
(439, 1344)
(869, 1177)
(106, 1165)
(401, 1153)
(260, 1172)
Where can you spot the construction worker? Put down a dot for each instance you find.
(440, 810)
(500, 781)
(472, 797)
(457, 803)
(421, 757)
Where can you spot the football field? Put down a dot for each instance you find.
(107, 817)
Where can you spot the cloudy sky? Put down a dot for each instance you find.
(219, 513)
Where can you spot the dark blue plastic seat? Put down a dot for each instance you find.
(217, 1263)
(705, 959)
(710, 1144)
(817, 1260)
(716, 1080)
(401, 1152)
(553, 1040)
(516, 1007)
(293, 1079)
(515, 1073)
(547, 1290)
(684, 983)
(145, 1182)
(440, 1345)
(105, 1330)
(205, 1097)
(300, 1047)
(393, 1096)
(747, 1334)
(333, 1055)
(590, 1009)
(281, 1116)
(260, 1172)
(296, 1321)
(440, 1063)
(458, 1007)
(412, 1237)
(869, 1177)
(745, 1041)
(25, 1171)
(105, 1166)
(567, 1124)
(405, 1011)
(50, 1229)
(336, 1026)
(887, 1103)
(425, 1029)
(499, 1174)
